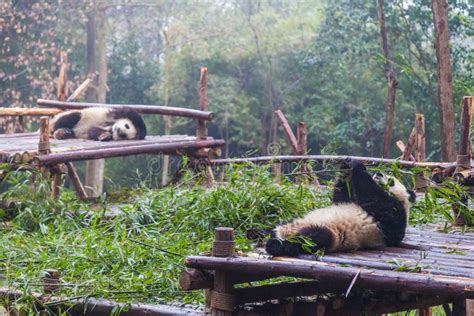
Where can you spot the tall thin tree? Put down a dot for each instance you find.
(445, 79)
(391, 82)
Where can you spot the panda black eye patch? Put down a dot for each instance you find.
(126, 126)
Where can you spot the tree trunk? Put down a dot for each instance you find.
(445, 85)
(391, 81)
(95, 168)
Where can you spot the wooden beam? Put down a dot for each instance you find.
(334, 158)
(410, 145)
(342, 276)
(402, 147)
(287, 129)
(76, 181)
(28, 112)
(82, 88)
(145, 109)
(166, 148)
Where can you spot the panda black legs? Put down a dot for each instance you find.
(63, 126)
(63, 133)
(364, 190)
(308, 240)
(341, 192)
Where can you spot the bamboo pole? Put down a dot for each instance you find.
(145, 109)
(99, 153)
(334, 158)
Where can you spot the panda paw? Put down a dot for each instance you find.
(282, 247)
(63, 133)
(356, 165)
(105, 137)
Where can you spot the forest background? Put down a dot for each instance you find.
(318, 61)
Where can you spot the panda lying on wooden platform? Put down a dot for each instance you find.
(363, 215)
(99, 123)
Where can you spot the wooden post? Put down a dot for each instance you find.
(62, 79)
(463, 158)
(402, 147)
(421, 182)
(302, 146)
(202, 132)
(51, 281)
(410, 145)
(222, 297)
(43, 146)
(94, 179)
(58, 171)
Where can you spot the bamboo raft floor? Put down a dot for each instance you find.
(427, 262)
(11, 144)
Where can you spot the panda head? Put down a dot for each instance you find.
(124, 129)
(395, 187)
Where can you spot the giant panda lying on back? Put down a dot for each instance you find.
(363, 215)
(99, 123)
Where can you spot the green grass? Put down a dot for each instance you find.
(138, 255)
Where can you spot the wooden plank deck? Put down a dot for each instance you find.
(12, 146)
(427, 262)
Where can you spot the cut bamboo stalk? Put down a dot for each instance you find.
(165, 148)
(287, 129)
(145, 109)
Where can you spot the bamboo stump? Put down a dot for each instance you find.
(222, 296)
(51, 281)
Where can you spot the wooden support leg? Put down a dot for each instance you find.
(424, 312)
(459, 308)
(277, 171)
(76, 181)
(222, 296)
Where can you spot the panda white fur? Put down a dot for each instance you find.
(99, 123)
(363, 215)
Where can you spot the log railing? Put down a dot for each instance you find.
(144, 109)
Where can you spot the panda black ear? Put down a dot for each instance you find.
(412, 196)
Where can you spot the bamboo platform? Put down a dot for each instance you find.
(429, 268)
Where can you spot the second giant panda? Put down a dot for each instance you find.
(363, 215)
(99, 123)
